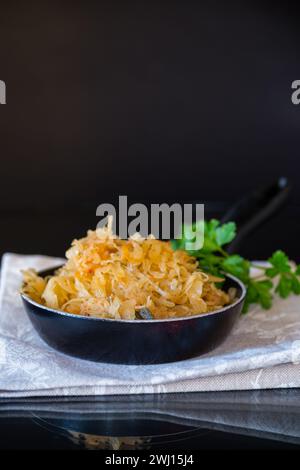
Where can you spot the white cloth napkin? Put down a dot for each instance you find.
(263, 351)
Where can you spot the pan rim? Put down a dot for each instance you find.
(26, 298)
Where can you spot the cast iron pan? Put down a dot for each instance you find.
(136, 341)
(144, 341)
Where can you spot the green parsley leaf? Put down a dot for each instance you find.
(237, 266)
(215, 260)
(210, 242)
(251, 297)
(280, 262)
(284, 286)
(259, 292)
(225, 233)
(295, 285)
(271, 272)
(264, 294)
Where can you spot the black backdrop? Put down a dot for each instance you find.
(162, 101)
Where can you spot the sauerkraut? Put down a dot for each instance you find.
(108, 277)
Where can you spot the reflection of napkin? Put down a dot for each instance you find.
(271, 414)
(263, 351)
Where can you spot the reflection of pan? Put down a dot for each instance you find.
(153, 341)
(151, 420)
(120, 434)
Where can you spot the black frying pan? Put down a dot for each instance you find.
(151, 341)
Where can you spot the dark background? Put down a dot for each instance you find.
(161, 101)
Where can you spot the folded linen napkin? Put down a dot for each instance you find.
(263, 351)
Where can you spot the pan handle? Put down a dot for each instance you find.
(256, 208)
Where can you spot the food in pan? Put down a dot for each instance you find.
(138, 278)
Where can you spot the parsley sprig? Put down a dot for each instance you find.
(280, 276)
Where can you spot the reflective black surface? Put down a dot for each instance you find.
(224, 420)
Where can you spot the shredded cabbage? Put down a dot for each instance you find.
(107, 277)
